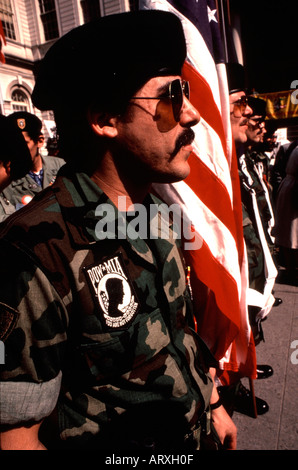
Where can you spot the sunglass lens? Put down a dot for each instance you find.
(186, 89)
(176, 96)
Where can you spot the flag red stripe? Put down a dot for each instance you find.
(218, 202)
(2, 32)
(201, 97)
(225, 295)
(2, 38)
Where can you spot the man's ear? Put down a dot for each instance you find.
(7, 167)
(40, 141)
(103, 124)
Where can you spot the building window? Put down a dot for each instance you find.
(91, 10)
(6, 16)
(19, 100)
(49, 19)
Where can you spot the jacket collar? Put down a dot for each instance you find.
(84, 207)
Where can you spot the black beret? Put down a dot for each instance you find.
(13, 148)
(27, 122)
(236, 77)
(109, 59)
(258, 105)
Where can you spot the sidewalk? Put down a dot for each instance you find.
(278, 428)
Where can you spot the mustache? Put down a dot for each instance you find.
(186, 138)
(244, 122)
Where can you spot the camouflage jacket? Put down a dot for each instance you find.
(21, 191)
(111, 316)
(6, 208)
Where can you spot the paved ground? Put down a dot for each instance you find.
(278, 428)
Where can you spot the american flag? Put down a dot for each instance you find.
(210, 195)
(2, 41)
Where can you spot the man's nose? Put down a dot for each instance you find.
(248, 111)
(189, 116)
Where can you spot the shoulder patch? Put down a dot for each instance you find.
(8, 320)
(113, 291)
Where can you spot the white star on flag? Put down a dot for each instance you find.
(211, 15)
(210, 196)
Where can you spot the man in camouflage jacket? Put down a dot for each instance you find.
(43, 169)
(96, 319)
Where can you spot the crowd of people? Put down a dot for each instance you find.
(101, 351)
(264, 221)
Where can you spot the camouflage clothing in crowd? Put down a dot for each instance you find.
(250, 229)
(6, 208)
(21, 191)
(257, 220)
(112, 315)
(251, 159)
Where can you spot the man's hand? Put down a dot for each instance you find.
(225, 428)
(21, 439)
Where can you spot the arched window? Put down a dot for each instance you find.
(20, 101)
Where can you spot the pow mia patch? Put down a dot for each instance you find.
(113, 291)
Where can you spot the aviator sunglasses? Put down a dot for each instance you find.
(175, 93)
(240, 106)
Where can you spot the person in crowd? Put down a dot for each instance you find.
(52, 144)
(238, 397)
(271, 146)
(255, 205)
(257, 165)
(256, 134)
(15, 160)
(278, 170)
(43, 169)
(135, 376)
(286, 214)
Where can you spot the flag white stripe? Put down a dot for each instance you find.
(206, 224)
(208, 147)
(203, 62)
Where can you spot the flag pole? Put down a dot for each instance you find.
(252, 389)
(221, 17)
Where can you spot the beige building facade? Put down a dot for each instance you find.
(30, 28)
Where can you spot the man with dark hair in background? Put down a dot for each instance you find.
(43, 169)
(15, 161)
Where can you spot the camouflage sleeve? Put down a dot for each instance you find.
(6, 208)
(33, 321)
